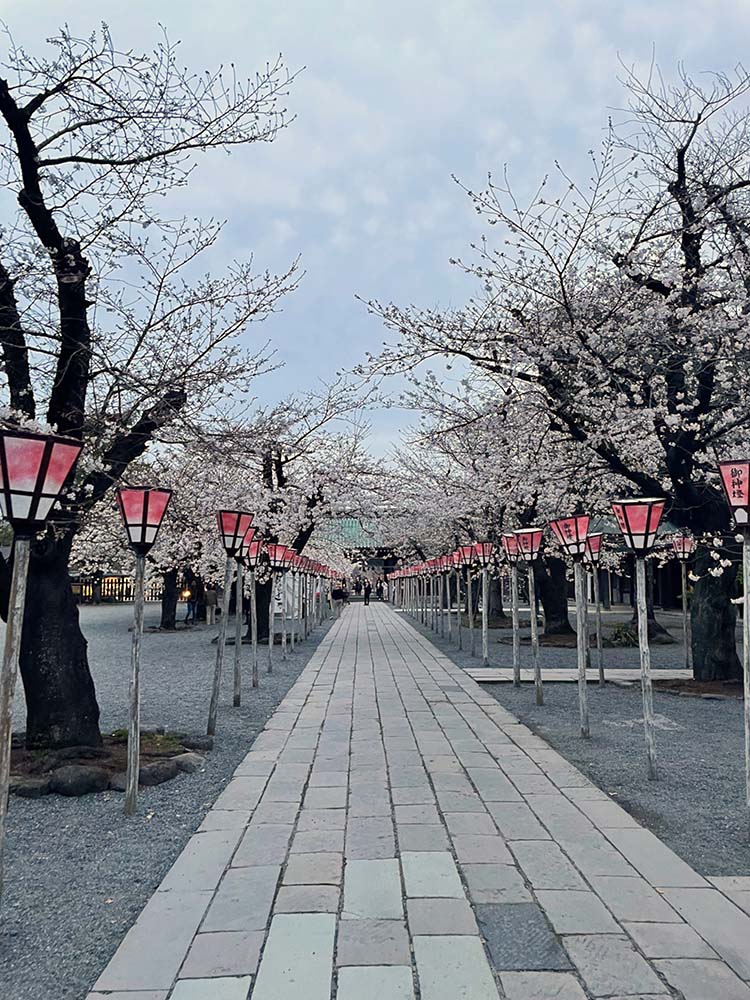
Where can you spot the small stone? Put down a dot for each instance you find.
(78, 779)
(158, 772)
(198, 742)
(189, 762)
(29, 788)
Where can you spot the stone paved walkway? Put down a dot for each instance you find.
(395, 834)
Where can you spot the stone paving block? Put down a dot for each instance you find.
(243, 900)
(307, 899)
(275, 812)
(315, 841)
(609, 964)
(541, 986)
(226, 953)
(654, 860)
(155, 946)
(516, 821)
(440, 916)
(669, 941)
(737, 888)
(375, 983)
(453, 968)
(203, 860)
(326, 798)
(431, 873)
(416, 814)
(478, 849)
(575, 911)
(495, 884)
(701, 979)
(283, 791)
(235, 988)
(518, 937)
(634, 899)
(722, 924)
(223, 819)
(408, 777)
(536, 784)
(372, 889)
(314, 869)
(411, 795)
(242, 794)
(545, 865)
(459, 801)
(298, 958)
(607, 815)
(559, 815)
(452, 783)
(370, 838)
(329, 779)
(322, 819)
(423, 837)
(372, 942)
(130, 995)
(592, 854)
(478, 823)
(266, 844)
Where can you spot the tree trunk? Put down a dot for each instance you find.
(551, 576)
(60, 699)
(262, 600)
(169, 601)
(496, 599)
(714, 619)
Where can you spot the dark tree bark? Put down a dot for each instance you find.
(496, 599)
(551, 577)
(169, 601)
(60, 699)
(714, 620)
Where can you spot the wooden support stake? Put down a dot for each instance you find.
(271, 622)
(516, 625)
(470, 607)
(213, 708)
(254, 628)
(485, 617)
(282, 578)
(599, 644)
(458, 610)
(238, 623)
(581, 646)
(648, 699)
(134, 721)
(535, 637)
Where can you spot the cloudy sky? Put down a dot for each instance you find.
(395, 96)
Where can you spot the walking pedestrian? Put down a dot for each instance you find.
(379, 589)
(367, 591)
(189, 595)
(212, 599)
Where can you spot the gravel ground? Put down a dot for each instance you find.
(697, 807)
(77, 873)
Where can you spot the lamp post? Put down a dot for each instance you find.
(277, 559)
(529, 543)
(467, 558)
(510, 546)
(683, 545)
(484, 553)
(239, 597)
(295, 570)
(142, 510)
(735, 478)
(638, 521)
(33, 471)
(456, 557)
(446, 564)
(591, 559)
(251, 553)
(571, 534)
(233, 526)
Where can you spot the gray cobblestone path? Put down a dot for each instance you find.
(395, 834)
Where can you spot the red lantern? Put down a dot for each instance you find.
(683, 545)
(735, 478)
(33, 471)
(142, 510)
(483, 553)
(593, 549)
(571, 533)
(466, 554)
(251, 553)
(277, 556)
(456, 557)
(233, 525)
(510, 547)
(529, 542)
(638, 520)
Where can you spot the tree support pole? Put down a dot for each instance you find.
(213, 708)
(648, 698)
(535, 637)
(599, 644)
(254, 627)
(11, 655)
(516, 626)
(746, 658)
(581, 646)
(485, 617)
(238, 623)
(134, 721)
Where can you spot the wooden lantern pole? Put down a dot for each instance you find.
(134, 719)
(598, 612)
(645, 653)
(746, 657)
(213, 708)
(238, 623)
(516, 624)
(254, 628)
(581, 645)
(485, 617)
(470, 606)
(539, 689)
(271, 621)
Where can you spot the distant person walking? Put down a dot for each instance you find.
(212, 599)
(357, 586)
(191, 606)
(379, 589)
(367, 591)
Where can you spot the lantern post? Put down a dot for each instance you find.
(529, 543)
(33, 471)
(456, 560)
(571, 534)
(287, 565)
(238, 617)
(484, 553)
(591, 559)
(252, 552)
(233, 526)
(294, 569)
(510, 545)
(467, 558)
(276, 555)
(638, 521)
(683, 545)
(735, 478)
(142, 510)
